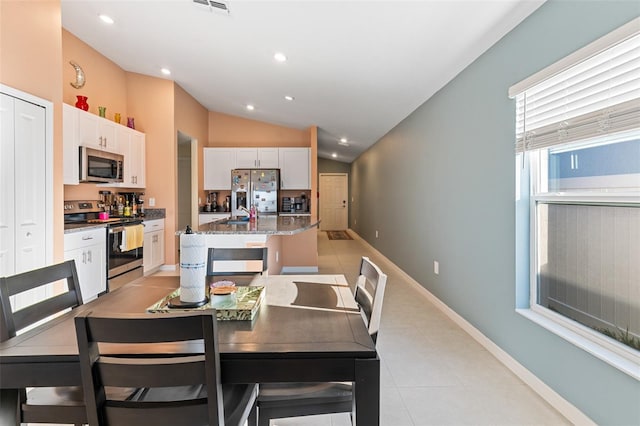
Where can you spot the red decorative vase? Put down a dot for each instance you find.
(82, 103)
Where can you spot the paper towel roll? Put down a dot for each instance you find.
(193, 262)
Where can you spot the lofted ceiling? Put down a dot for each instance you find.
(354, 68)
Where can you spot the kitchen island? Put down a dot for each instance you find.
(291, 240)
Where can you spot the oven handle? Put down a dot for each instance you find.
(118, 229)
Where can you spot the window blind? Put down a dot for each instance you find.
(597, 96)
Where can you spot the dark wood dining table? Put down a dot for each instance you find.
(307, 329)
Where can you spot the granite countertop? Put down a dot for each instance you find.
(79, 227)
(271, 225)
(154, 214)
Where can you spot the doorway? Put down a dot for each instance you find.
(334, 208)
(187, 181)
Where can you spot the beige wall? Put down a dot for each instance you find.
(192, 119)
(151, 103)
(31, 61)
(105, 82)
(230, 130)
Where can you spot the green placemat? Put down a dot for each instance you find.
(243, 307)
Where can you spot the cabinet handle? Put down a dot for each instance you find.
(100, 138)
(89, 258)
(85, 238)
(105, 141)
(84, 257)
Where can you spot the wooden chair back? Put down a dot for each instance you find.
(11, 322)
(370, 293)
(159, 369)
(236, 255)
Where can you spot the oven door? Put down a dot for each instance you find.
(123, 258)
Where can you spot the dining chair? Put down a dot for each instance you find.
(145, 351)
(64, 404)
(281, 400)
(236, 259)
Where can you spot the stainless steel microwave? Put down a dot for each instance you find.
(100, 166)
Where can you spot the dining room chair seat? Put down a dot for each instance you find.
(63, 404)
(281, 400)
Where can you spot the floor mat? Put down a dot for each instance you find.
(339, 235)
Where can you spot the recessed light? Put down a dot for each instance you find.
(106, 19)
(334, 155)
(343, 140)
(289, 98)
(280, 57)
(165, 71)
(250, 107)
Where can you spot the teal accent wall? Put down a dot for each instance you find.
(445, 177)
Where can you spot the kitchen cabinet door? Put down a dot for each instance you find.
(89, 251)
(97, 132)
(137, 162)
(257, 158)
(153, 245)
(218, 163)
(295, 168)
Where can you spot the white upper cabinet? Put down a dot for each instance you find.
(70, 167)
(295, 168)
(218, 163)
(97, 132)
(132, 145)
(80, 128)
(257, 158)
(294, 164)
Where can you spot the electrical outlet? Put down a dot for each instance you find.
(436, 267)
(376, 234)
(152, 202)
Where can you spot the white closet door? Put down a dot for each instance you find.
(30, 183)
(7, 224)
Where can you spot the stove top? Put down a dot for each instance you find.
(78, 212)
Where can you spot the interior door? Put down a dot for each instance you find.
(334, 208)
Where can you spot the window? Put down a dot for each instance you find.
(578, 149)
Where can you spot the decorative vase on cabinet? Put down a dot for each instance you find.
(82, 103)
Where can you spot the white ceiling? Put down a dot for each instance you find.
(355, 68)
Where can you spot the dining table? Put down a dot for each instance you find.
(306, 328)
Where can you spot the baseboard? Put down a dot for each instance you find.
(292, 270)
(166, 267)
(568, 410)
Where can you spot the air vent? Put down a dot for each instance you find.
(213, 6)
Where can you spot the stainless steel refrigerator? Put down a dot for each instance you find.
(254, 187)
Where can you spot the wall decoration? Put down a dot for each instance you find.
(80, 80)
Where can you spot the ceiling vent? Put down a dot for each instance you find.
(214, 5)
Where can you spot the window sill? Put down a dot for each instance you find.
(623, 363)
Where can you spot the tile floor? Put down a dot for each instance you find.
(432, 372)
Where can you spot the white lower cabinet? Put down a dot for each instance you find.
(153, 245)
(89, 250)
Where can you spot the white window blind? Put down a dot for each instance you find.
(596, 96)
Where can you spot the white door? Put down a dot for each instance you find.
(334, 208)
(30, 180)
